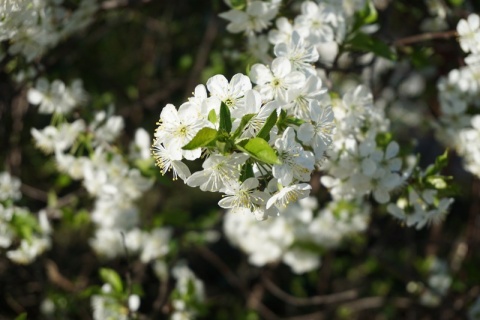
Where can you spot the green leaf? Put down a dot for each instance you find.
(245, 119)
(238, 4)
(364, 42)
(212, 116)
(456, 3)
(111, 277)
(265, 131)
(246, 171)
(225, 118)
(22, 316)
(260, 150)
(202, 139)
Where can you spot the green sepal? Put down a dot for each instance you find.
(245, 119)
(264, 133)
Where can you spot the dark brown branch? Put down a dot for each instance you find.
(57, 278)
(223, 268)
(254, 299)
(375, 302)
(314, 300)
(425, 37)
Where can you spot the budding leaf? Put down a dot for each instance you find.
(367, 15)
(260, 150)
(245, 119)
(111, 277)
(202, 139)
(440, 163)
(225, 118)
(265, 131)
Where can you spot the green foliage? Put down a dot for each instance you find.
(259, 149)
(367, 15)
(111, 277)
(203, 138)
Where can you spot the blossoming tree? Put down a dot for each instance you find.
(308, 159)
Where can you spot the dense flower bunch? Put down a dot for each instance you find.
(23, 234)
(106, 175)
(261, 144)
(32, 27)
(458, 125)
(298, 235)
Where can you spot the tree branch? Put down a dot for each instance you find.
(314, 300)
(425, 37)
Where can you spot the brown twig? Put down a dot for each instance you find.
(34, 193)
(425, 37)
(254, 299)
(57, 278)
(254, 302)
(375, 302)
(223, 268)
(314, 300)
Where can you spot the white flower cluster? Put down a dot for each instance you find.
(363, 160)
(358, 165)
(319, 27)
(298, 236)
(261, 144)
(9, 187)
(20, 225)
(437, 21)
(420, 209)
(188, 295)
(32, 27)
(56, 97)
(105, 174)
(361, 163)
(459, 124)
